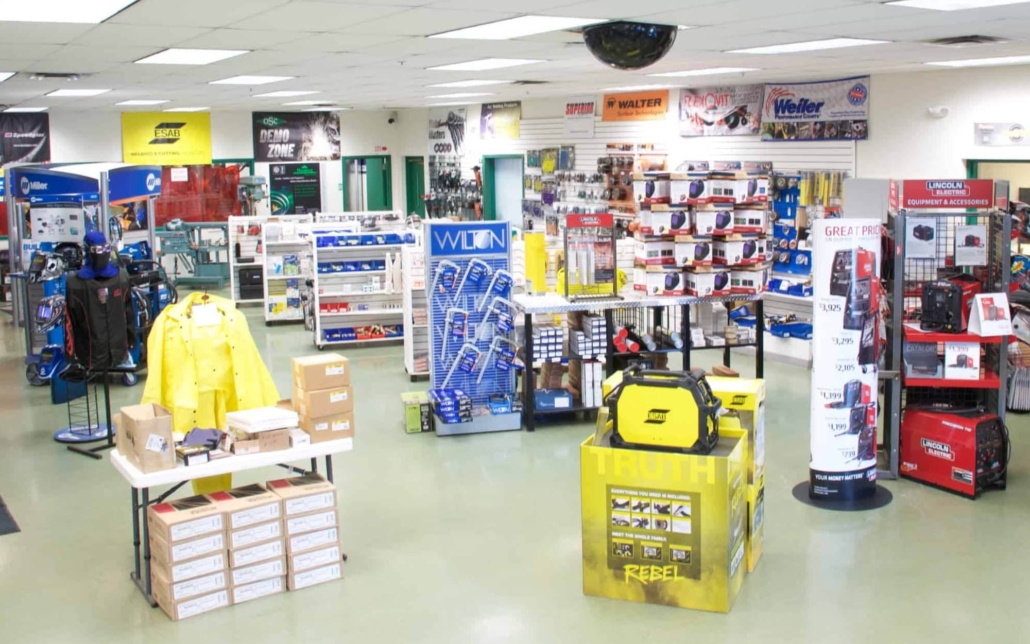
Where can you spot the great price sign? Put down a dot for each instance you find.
(948, 193)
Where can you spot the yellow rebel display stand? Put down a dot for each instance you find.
(665, 527)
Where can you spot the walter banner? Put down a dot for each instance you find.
(636, 106)
(159, 138)
(721, 111)
(820, 111)
(25, 138)
(447, 131)
(500, 120)
(296, 136)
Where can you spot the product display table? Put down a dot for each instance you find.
(179, 476)
(553, 304)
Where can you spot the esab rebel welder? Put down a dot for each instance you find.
(959, 452)
(671, 411)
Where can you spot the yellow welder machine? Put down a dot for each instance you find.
(671, 411)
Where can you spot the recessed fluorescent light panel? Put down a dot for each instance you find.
(15, 110)
(308, 103)
(5, 75)
(89, 12)
(73, 93)
(811, 45)
(984, 62)
(953, 5)
(447, 104)
(190, 56)
(187, 109)
(484, 64)
(635, 88)
(286, 93)
(711, 71)
(326, 108)
(472, 83)
(143, 101)
(462, 95)
(518, 28)
(251, 80)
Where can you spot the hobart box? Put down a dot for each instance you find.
(312, 540)
(327, 402)
(665, 527)
(311, 522)
(248, 505)
(257, 553)
(183, 519)
(300, 580)
(258, 572)
(201, 567)
(316, 558)
(190, 607)
(329, 428)
(185, 551)
(145, 437)
(304, 494)
(260, 533)
(258, 589)
(321, 371)
(183, 590)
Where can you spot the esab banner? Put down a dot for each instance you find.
(296, 188)
(296, 136)
(636, 106)
(721, 111)
(824, 110)
(500, 120)
(579, 117)
(159, 138)
(25, 138)
(446, 131)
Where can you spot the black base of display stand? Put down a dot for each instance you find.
(880, 499)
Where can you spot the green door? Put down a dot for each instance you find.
(377, 180)
(367, 184)
(415, 185)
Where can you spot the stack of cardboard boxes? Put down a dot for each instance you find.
(311, 527)
(322, 396)
(257, 564)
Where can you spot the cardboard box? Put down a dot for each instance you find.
(144, 434)
(254, 554)
(322, 403)
(704, 222)
(418, 412)
(665, 222)
(312, 540)
(190, 607)
(750, 220)
(706, 284)
(301, 580)
(311, 522)
(321, 371)
(648, 189)
(248, 592)
(304, 494)
(694, 253)
(316, 558)
(251, 535)
(722, 188)
(183, 590)
(185, 551)
(248, 505)
(654, 253)
(299, 438)
(258, 572)
(328, 428)
(748, 282)
(182, 519)
(755, 525)
(753, 190)
(689, 189)
(665, 283)
(744, 398)
(201, 567)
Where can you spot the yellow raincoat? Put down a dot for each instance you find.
(202, 366)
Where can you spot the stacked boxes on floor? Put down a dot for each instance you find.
(323, 397)
(257, 553)
(311, 527)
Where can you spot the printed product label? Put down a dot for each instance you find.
(334, 369)
(257, 534)
(338, 396)
(197, 548)
(321, 427)
(197, 568)
(195, 587)
(341, 425)
(264, 588)
(317, 576)
(310, 503)
(258, 553)
(312, 522)
(315, 559)
(313, 540)
(259, 514)
(156, 444)
(261, 571)
(203, 604)
(196, 528)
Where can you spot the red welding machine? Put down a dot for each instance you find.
(963, 453)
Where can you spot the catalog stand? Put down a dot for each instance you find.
(471, 327)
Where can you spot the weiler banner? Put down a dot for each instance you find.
(162, 138)
(824, 110)
(296, 136)
(636, 106)
(721, 111)
(24, 138)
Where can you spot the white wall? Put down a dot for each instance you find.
(85, 136)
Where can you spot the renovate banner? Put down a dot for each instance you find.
(296, 136)
(834, 110)
(721, 111)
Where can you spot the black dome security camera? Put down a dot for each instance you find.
(629, 45)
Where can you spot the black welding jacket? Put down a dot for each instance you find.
(99, 320)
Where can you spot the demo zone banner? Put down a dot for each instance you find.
(721, 111)
(24, 138)
(296, 136)
(825, 110)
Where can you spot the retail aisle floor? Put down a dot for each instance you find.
(477, 539)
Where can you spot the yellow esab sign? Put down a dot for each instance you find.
(636, 106)
(166, 138)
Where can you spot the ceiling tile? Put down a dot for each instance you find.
(427, 21)
(192, 13)
(158, 36)
(243, 39)
(302, 15)
(42, 33)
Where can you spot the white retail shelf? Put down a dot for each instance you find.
(367, 312)
(355, 293)
(285, 277)
(349, 274)
(286, 242)
(328, 343)
(324, 249)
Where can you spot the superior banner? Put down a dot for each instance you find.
(721, 111)
(500, 120)
(296, 188)
(296, 136)
(447, 131)
(26, 138)
(845, 350)
(579, 117)
(159, 138)
(824, 110)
